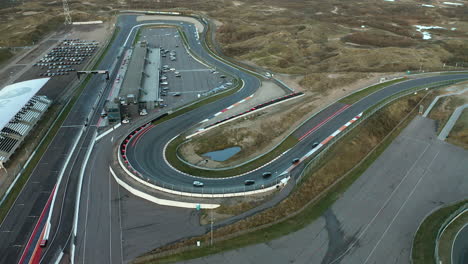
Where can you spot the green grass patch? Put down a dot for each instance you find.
(410, 91)
(15, 191)
(137, 37)
(447, 238)
(103, 54)
(310, 213)
(5, 54)
(351, 99)
(171, 156)
(425, 239)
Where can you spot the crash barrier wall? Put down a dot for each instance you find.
(368, 113)
(309, 166)
(186, 191)
(444, 226)
(257, 107)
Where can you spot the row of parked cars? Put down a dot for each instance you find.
(163, 80)
(172, 54)
(69, 52)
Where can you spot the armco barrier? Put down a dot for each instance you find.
(251, 110)
(366, 115)
(165, 188)
(158, 200)
(258, 107)
(169, 188)
(444, 226)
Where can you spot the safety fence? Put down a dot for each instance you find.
(368, 113)
(444, 226)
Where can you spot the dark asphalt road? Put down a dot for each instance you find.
(147, 155)
(18, 224)
(460, 247)
(375, 219)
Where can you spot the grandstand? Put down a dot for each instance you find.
(21, 109)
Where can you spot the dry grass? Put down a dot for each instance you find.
(379, 39)
(459, 133)
(5, 55)
(323, 83)
(234, 206)
(296, 36)
(352, 149)
(305, 36)
(254, 134)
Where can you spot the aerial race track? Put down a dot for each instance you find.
(142, 155)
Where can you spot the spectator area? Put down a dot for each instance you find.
(20, 110)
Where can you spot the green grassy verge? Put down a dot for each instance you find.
(137, 37)
(351, 99)
(15, 191)
(5, 54)
(103, 54)
(425, 239)
(409, 91)
(447, 238)
(171, 156)
(297, 222)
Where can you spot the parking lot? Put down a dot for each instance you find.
(22, 68)
(183, 79)
(65, 57)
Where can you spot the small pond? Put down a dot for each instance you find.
(222, 155)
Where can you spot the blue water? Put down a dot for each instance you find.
(222, 155)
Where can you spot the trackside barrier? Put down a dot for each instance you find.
(229, 192)
(157, 200)
(444, 226)
(368, 113)
(192, 192)
(251, 110)
(165, 187)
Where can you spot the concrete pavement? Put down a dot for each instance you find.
(374, 221)
(451, 122)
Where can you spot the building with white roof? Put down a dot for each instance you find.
(20, 110)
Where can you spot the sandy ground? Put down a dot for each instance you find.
(176, 18)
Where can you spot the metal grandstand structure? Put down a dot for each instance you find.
(21, 110)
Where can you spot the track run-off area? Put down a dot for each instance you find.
(146, 156)
(143, 151)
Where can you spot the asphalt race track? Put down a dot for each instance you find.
(460, 247)
(146, 157)
(375, 219)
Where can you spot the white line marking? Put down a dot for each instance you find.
(120, 223)
(381, 208)
(110, 221)
(401, 207)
